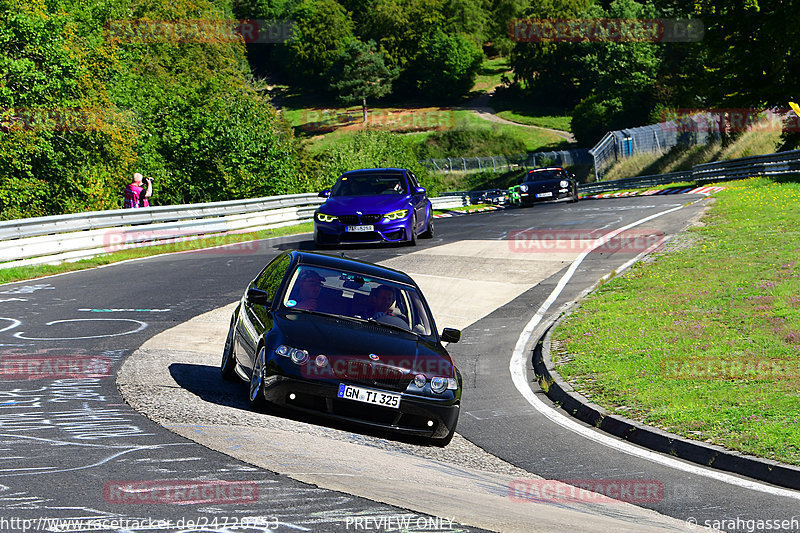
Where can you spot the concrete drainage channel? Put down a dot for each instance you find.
(174, 380)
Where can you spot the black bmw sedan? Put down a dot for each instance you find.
(344, 339)
(543, 184)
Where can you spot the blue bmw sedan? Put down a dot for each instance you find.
(374, 205)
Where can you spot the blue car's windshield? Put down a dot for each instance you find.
(370, 184)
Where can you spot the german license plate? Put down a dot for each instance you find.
(544, 195)
(375, 397)
(360, 229)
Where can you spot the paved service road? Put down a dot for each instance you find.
(75, 449)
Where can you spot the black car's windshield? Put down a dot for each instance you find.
(351, 295)
(544, 175)
(370, 184)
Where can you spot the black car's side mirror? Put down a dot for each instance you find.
(451, 335)
(419, 190)
(324, 193)
(258, 297)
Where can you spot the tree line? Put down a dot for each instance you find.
(87, 97)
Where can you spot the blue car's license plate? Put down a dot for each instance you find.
(360, 229)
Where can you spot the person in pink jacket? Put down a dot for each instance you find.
(135, 193)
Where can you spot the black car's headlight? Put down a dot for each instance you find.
(439, 384)
(523, 188)
(298, 356)
(564, 183)
(322, 217)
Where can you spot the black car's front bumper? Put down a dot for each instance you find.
(413, 417)
(533, 196)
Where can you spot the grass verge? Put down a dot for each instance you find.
(704, 341)
(9, 275)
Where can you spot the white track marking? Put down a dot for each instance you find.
(517, 367)
(142, 325)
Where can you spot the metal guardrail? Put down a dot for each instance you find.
(733, 169)
(70, 237)
(77, 236)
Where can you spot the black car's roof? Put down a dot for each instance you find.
(352, 265)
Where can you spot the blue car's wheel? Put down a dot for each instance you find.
(412, 241)
(428, 233)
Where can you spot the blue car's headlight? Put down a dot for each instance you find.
(322, 217)
(396, 215)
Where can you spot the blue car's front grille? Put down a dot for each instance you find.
(348, 219)
(352, 220)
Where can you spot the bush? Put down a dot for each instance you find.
(469, 141)
(373, 149)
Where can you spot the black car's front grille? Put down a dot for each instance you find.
(376, 375)
(348, 219)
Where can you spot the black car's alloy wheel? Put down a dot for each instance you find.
(256, 395)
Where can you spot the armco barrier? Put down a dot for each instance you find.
(42, 240)
(733, 169)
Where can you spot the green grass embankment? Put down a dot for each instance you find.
(704, 341)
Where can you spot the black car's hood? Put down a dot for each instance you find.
(340, 338)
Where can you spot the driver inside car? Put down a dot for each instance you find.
(380, 306)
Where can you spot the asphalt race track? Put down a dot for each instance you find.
(74, 449)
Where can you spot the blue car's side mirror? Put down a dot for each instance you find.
(324, 193)
(419, 190)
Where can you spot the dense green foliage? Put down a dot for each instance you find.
(88, 95)
(468, 141)
(86, 106)
(374, 149)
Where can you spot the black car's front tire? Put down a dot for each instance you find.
(256, 390)
(447, 438)
(228, 366)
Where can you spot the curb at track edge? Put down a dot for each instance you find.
(577, 406)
